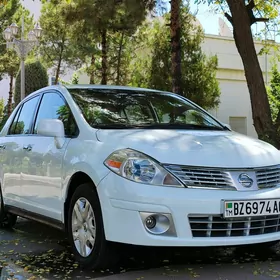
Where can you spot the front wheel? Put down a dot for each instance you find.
(86, 230)
(7, 220)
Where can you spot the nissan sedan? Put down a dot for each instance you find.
(114, 164)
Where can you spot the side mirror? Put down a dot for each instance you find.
(51, 127)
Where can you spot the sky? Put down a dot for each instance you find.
(207, 18)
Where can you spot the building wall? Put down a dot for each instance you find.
(235, 105)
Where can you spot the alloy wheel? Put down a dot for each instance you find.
(83, 227)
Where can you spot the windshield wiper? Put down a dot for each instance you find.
(114, 126)
(182, 126)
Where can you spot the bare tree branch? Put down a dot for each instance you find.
(229, 18)
(251, 5)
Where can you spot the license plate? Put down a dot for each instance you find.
(250, 208)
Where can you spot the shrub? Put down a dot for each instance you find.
(36, 77)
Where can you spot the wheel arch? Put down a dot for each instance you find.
(77, 179)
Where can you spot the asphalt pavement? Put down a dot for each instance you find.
(34, 251)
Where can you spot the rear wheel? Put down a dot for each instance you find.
(86, 230)
(7, 220)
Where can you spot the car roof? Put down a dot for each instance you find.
(109, 87)
(62, 88)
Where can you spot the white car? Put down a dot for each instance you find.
(129, 165)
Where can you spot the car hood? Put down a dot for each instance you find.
(225, 149)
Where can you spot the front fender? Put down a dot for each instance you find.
(83, 156)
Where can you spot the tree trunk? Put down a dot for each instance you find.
(10, 99)
(119, 59)
(254, 76)
(59, 62)
(92, 68)
(175, 28)
(57, 71)
(104, 56)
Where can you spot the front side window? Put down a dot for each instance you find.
(53, 106)
(23, 119)
(113, 108)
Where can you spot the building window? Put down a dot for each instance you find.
(238, 124)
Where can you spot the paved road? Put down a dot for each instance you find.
(33, 251)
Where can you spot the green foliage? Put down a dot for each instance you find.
(1, 108)
(5, 116)
(120, 52)
(94, 18)
(268, 8)
(273, 92)
(96, 15)
(6, 13)
(12, 12)
(152, 68)
(56, 44)
(75, 79)
(9, 60)
(36, 77)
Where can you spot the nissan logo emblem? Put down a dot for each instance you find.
(245, 180)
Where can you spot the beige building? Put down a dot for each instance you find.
(235, 107)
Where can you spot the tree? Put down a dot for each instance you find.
(36, 77)
(75, 79)
(57, 48)
(100, 18)
(274, 93)
(9, 60)
(242, 15)
(175, 30)
(4, 114)
(120, 53)
(151, 68)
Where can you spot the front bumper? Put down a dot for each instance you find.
(124, 203)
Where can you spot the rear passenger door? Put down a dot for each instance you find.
(13, 155)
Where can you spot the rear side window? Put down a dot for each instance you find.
(23, 119)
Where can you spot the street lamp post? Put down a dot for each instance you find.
(22, 46)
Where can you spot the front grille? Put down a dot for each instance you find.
(268, 178)
(217, 226)
(197, 177)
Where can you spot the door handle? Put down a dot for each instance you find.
(27, 148)
(2, 147)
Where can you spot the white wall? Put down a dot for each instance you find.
(235, 99)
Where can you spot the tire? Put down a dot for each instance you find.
(96, 253)
(7, 220)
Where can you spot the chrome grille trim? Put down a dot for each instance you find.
(211, 226)
(269, 177)
(198, 177)
(219, 178)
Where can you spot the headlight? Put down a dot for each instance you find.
(140, 168)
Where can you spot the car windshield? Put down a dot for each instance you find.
(115, 108)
